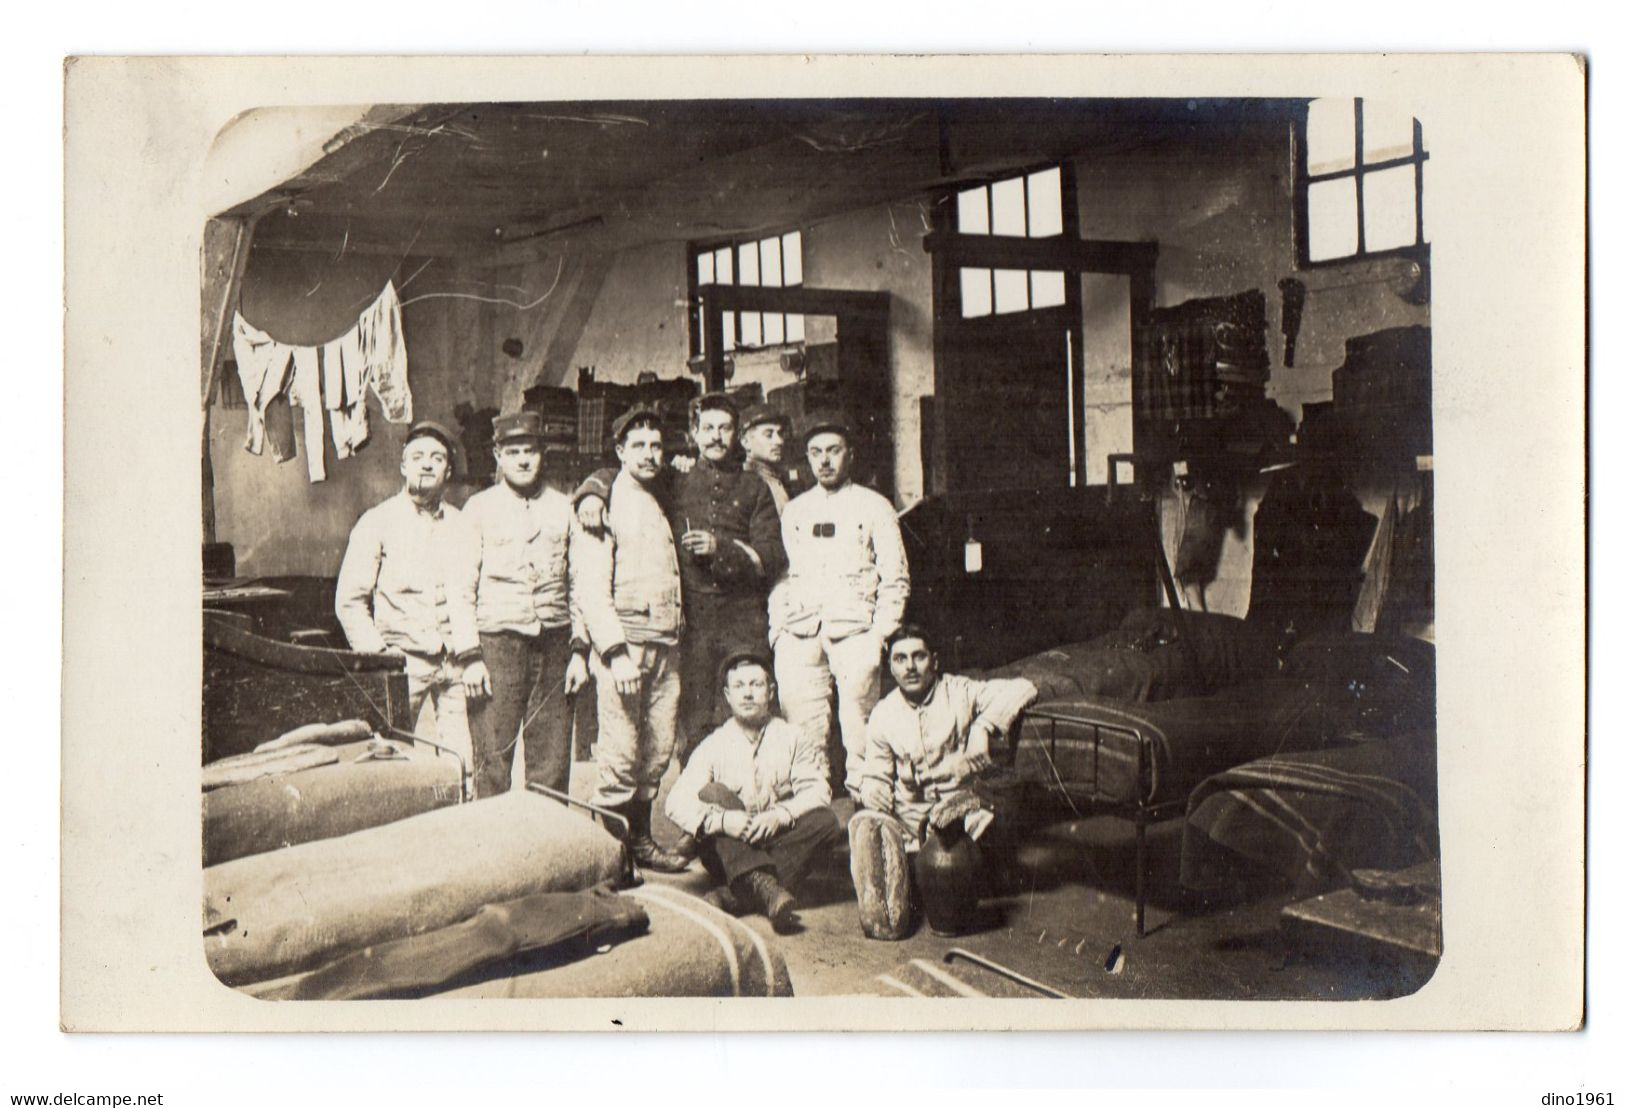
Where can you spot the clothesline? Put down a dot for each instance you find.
(328, 382)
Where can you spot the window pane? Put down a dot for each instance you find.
(1332, 231)
(1386, 131)
(975, 293)
(973, 212)
(1009, 208)
(749, 264)
(795, 328)
(1009, 290)
(772, 328)
(750, 328)
(1044, 204)
(772, 268)
(1390, 208)
(727, 331)
(1331, 136)
(792, 258)
(725, 266)
(1049, 288)
(707, 269)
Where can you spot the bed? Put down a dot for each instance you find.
(1309, 820)
(1145, 758)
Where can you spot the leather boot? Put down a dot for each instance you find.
(762, 888)
(723, 897)
(648, 853)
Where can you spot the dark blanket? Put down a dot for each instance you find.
(1309, 818)
(420, 964)
(1153, 655)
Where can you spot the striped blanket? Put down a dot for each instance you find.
(1312, 817)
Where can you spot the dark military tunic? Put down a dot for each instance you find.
(724, 594)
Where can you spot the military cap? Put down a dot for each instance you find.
(518, 425)
(835, 421)
(739, 658)
(758, 414)
(433, 430)
(633, 415)
(712, 401)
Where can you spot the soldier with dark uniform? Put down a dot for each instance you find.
(730, 551)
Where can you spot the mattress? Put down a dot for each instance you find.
(1154, 654)
(321, 802)
(1097, 750)
(274, 914)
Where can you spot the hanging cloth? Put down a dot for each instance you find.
(329, 382)
(262, 366)
(383, 350)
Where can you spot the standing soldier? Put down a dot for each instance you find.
(392, 595)
(628, 589)
(521, 659)
(730, 552)
(845, 591)
(762, 432)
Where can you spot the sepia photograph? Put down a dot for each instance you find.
(871, 550)
(919, 548)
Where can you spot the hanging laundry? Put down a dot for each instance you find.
(344, 376)
(383, 346)
(279, 428)
(329, 382)
(307, 393)
(262, 367)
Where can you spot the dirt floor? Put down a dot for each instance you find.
(1069, 927)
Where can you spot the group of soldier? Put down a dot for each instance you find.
(706, 605)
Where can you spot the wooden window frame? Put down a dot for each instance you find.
(1359, 171)
(698, 249)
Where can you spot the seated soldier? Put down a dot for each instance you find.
(755, 795)
(926, 741)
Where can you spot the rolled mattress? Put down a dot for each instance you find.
(274, 914)
(325, 801)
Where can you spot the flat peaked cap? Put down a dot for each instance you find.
(433, 430)
(631, 416)
(758, 414)
(712, 401)
(835, 421)
(519, 425)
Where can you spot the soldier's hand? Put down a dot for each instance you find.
(625, 672)
(682, 463)
(590, 514)
(476, 680)
(735, 824)
(701, 544)
(765, 825)
(575, 674)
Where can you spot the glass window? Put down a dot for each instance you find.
(1028, 206)
(1360, 179)
(772, 262)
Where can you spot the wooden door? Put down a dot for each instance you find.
(1011, 400)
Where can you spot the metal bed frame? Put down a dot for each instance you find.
(1040, 728)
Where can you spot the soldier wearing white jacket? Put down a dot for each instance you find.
(844, 592)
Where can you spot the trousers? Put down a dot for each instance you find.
(636, 734)
(809, 669)
(439, 681)
(714, 626)
(527, 701)
(791, 853)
